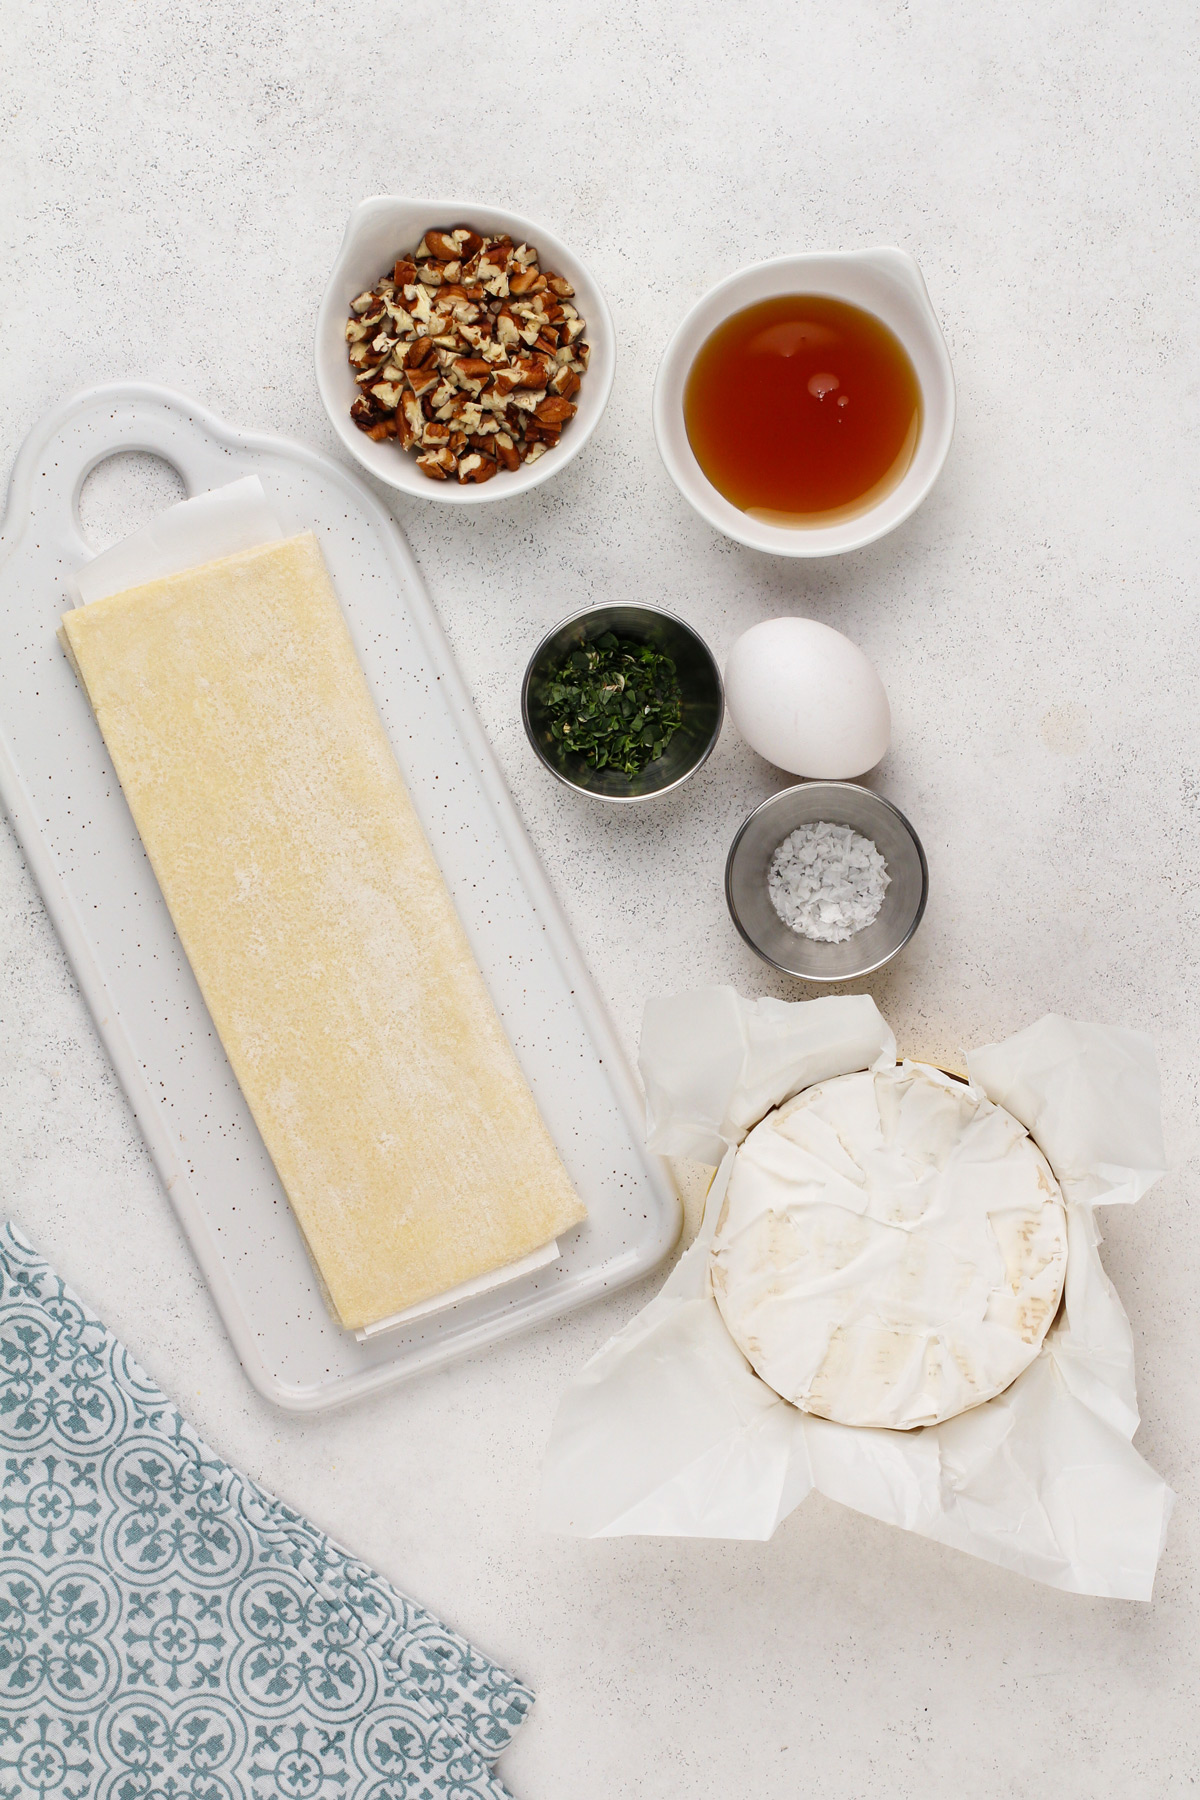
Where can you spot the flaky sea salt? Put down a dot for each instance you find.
(826, 882)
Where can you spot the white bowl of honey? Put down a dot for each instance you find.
(805, 405)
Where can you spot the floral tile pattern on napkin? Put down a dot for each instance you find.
(171, 1631)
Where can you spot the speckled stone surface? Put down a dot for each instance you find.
(175, 189)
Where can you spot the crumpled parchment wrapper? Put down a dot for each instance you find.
(669, 1432)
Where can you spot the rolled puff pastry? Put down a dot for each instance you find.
(319, 928)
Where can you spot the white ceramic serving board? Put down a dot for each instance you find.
(85, 853)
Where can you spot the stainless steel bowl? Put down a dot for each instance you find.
(699, 679)
(840, 803)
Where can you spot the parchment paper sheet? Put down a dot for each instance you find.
(669, 1432)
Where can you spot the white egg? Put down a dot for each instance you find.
(807, 699)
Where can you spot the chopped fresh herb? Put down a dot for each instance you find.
(615, 702)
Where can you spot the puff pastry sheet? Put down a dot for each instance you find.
(318, 926)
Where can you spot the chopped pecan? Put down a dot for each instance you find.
(414, 418)
(439, 465)
(468, 352)
(507, 451)
(530, 372)
(442, 245)
(554, 410)
(476, 467)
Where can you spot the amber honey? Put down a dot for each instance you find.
(803, 409)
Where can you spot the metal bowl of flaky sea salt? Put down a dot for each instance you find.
(826, 881)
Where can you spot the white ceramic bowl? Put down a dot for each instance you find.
(378, 231)
(886, 282)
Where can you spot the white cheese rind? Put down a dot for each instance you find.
(891, 1250)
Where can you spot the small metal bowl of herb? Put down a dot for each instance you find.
(623, 702)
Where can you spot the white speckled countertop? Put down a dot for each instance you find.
(176, 185)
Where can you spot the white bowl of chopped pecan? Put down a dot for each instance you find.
(750, 392)
(463, 353)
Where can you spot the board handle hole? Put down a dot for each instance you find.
(124, 492)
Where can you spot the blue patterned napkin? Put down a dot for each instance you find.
(170, 1631)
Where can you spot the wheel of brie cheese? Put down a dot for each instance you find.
(891, 1250)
